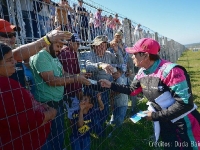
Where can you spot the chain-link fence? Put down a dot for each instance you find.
(22, 117)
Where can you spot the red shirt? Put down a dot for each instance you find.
(70, 63)
(117, 23)
(20, 118)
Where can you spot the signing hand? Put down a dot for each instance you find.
(105, 83)
(149, 115)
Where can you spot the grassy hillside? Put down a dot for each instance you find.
(191, 60)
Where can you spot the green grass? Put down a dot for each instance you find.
(137, 136)
(191, 61)
(129, 136)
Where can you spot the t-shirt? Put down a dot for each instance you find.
(70, 64)
(91, 20)
(26, 5)
(110, 23)
(21, 118)
(52, 10)
(61, 15)
(44, 62)
(45, 11)
(88, 118)
(116, 24)
(97, 20)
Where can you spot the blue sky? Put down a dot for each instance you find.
(176, 19)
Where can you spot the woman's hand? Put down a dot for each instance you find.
(105, 83)
(149, 115)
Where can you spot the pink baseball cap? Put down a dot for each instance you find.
(144, 45)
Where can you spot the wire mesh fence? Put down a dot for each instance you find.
(46, 104)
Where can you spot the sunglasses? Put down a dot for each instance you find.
(7, 35)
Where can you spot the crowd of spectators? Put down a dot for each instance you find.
(41, 16)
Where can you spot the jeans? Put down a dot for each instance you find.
(79, 143)
(31, 27)
(28, 24)
(119, 114)
(55, 140)
(84, 33)
(98, 31)
(92, 32)
(110, 34)
(45, 25)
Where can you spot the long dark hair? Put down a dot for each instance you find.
(4, 49)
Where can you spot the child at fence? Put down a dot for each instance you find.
(120, 101)
(82, 121)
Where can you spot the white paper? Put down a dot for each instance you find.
(92, 81)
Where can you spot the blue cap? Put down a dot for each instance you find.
(75, 38)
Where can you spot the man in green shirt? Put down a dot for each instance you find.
(50, 80)
(42, 63)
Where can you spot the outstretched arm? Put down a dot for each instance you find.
(132, 90)
(25, 51)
